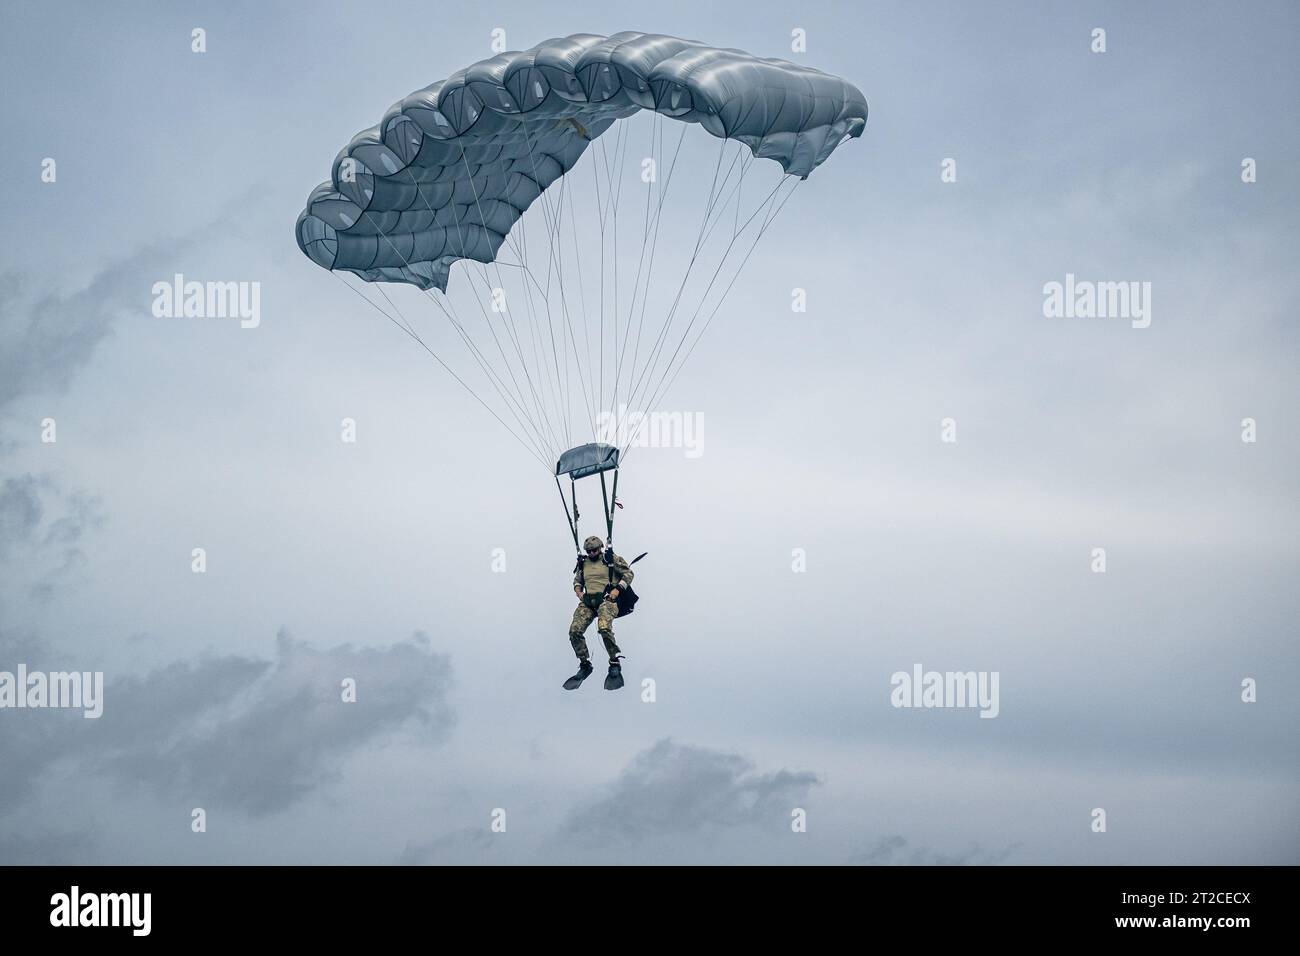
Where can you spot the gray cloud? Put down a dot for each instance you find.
(30, 741)
(20, 511)
(42, 528)
(236, 732)
(46, 339)
(476, 839)
(47, 848)
(896, 851)
(260, 736)
(673, 788)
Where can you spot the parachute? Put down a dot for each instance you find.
(449, 172)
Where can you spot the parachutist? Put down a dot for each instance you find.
(451, 170)
(599, 580)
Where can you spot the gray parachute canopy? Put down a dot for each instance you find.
(453, 166)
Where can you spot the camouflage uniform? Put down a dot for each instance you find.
(593, 578)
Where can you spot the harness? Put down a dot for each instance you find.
(627, 598)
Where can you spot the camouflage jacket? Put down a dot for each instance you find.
(593, 576)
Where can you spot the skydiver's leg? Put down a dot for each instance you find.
(605, 625)
(582, 618)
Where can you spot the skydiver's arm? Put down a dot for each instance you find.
(623, 573)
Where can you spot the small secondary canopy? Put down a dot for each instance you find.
(587, 460)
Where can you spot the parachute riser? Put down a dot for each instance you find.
(571, 518)
(611, 502)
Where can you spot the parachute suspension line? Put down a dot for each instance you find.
(448, 309)
(768, 219)
(565, 414)
(582, 302)
(504, 396)
(535, 416)
(586, 374)
(551, 219)
(745, 164)
(600, 303)
(404, 326)
(484, 363)
(642, 386)
(663, 194)
(516, 410)
(602, 217)
(519, 243)
(609, 217)
(620, 167)
(583, 375)
(505, 361)
(385, 237)
(764, 224)
(763, 206)
(511, 329)
(636, 282)
(571, 518)
(600, 313)
(553, 215)
(657, 348)
(704, 296)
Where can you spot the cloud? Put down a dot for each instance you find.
(47, 848)
(237, 732)
(895, 851)
(476, 839)
(45, 339)
(674, 788)
(41, 531)
(20, 511)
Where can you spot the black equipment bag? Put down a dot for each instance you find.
(627, 598)
(626, 601)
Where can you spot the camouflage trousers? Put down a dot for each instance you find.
(604, 618)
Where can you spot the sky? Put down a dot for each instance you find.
(822, 536)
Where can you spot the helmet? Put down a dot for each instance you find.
(593, 542)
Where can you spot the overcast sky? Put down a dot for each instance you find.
(374, 560)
